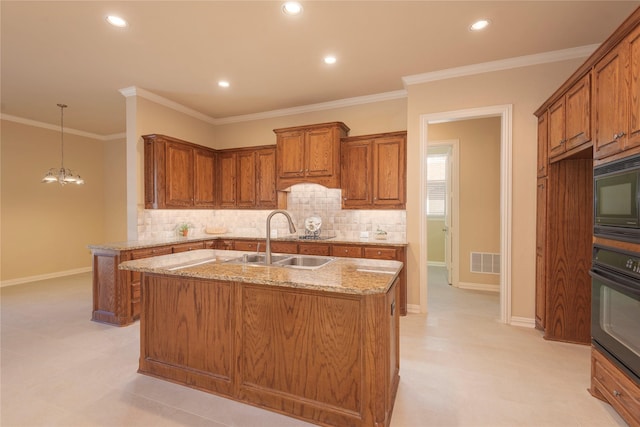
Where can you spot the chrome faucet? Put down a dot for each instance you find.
(292, 229)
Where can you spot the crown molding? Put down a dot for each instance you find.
(346, 102)
(67, 130)
(142, 93)
(504, 64)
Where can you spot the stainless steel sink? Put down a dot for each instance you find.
(256, 259)
(302, 261)
(291, 261)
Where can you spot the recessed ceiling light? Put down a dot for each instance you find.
(292, 8)
(330, 59)
(223, 83)
(479, 25)
(116, 21)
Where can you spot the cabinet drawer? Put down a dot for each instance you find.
(284, 247)
(622, 393)
(184, 247)
(149, 252)
(313, 249)
(346, 251)
(247, 245)
(381, 253)
(210, 244)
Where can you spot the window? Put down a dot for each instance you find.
(436, 185)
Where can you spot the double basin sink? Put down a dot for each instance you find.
(293, 261)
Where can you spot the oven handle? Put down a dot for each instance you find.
(619, 283)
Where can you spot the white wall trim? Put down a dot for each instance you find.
(479, 286)
(524, 322)
(506, 178)
(413, 309)
(49, 126)
(504, 64)
(39, 277)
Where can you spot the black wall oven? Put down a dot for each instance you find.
(615, 307)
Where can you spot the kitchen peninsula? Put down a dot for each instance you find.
(319, 344)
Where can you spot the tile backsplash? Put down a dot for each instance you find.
(303, 200)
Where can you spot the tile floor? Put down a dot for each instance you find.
(459, 367)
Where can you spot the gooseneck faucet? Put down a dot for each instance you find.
(292, 229)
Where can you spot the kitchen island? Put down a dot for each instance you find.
(317, 344)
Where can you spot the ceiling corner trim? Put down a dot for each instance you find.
(505, 64)
(56, 127)
(142, 93)
(346, 102)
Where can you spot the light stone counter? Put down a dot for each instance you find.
(141, 244)
(343, 275)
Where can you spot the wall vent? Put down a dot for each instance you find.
(482, 262)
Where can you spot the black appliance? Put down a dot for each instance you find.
(616, 193)
(615, 307)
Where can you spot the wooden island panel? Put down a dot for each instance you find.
(326, 357)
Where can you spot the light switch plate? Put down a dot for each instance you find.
(364, 234)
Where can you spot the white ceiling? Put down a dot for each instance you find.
(55, 51)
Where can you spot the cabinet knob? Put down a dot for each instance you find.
(379, 252)
(619, 135)
(616, 393)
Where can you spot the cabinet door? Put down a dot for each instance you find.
(248, 245)
(543, 140)
(266, 196)
(313, 249)
(185, 247)
(204, 178)
(357, 176)
(633, 139)
(541, 239)
(179, 175)
(346, 251)
(227, 179)
(556, 128)
(389, 172)
(246, 184)
(291, 162)
(610, 103)
(320, 155)
(578, 113)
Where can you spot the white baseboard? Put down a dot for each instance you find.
(413, 309)
(525, 322)
(436, 264)
(22, 280)
(479, 287)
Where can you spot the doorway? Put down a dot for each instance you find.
(505, 114)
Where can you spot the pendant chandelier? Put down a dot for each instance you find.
(61, 175)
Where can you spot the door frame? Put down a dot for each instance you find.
(453, 219)
(505, 112)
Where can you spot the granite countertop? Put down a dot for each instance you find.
(141, 244)
(344, 275)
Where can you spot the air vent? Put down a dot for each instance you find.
(482, 262)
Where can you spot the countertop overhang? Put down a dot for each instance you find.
(344, 275)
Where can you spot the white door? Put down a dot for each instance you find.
(448, 229)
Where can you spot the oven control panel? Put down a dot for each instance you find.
(616, 260)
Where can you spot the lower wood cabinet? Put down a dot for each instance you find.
(610, 384)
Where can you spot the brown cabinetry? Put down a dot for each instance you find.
(247, 178)
(570, 119)
(309, 154)
(177, 174)
(616, 98)
(541, 242)
(543, 143)
(374, 171)
(346, 251)
(610, 384)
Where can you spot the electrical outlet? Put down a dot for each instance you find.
(364, 234)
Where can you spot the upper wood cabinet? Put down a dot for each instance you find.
(247, 178)
(570, 119)
(543, 141)
(309, 154)
(374, 171)
(616, 97)
(177, 174)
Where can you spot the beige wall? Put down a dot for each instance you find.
(384, 116)
(46, 228)
(115, 196)
(479, 190)
(526, 89)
